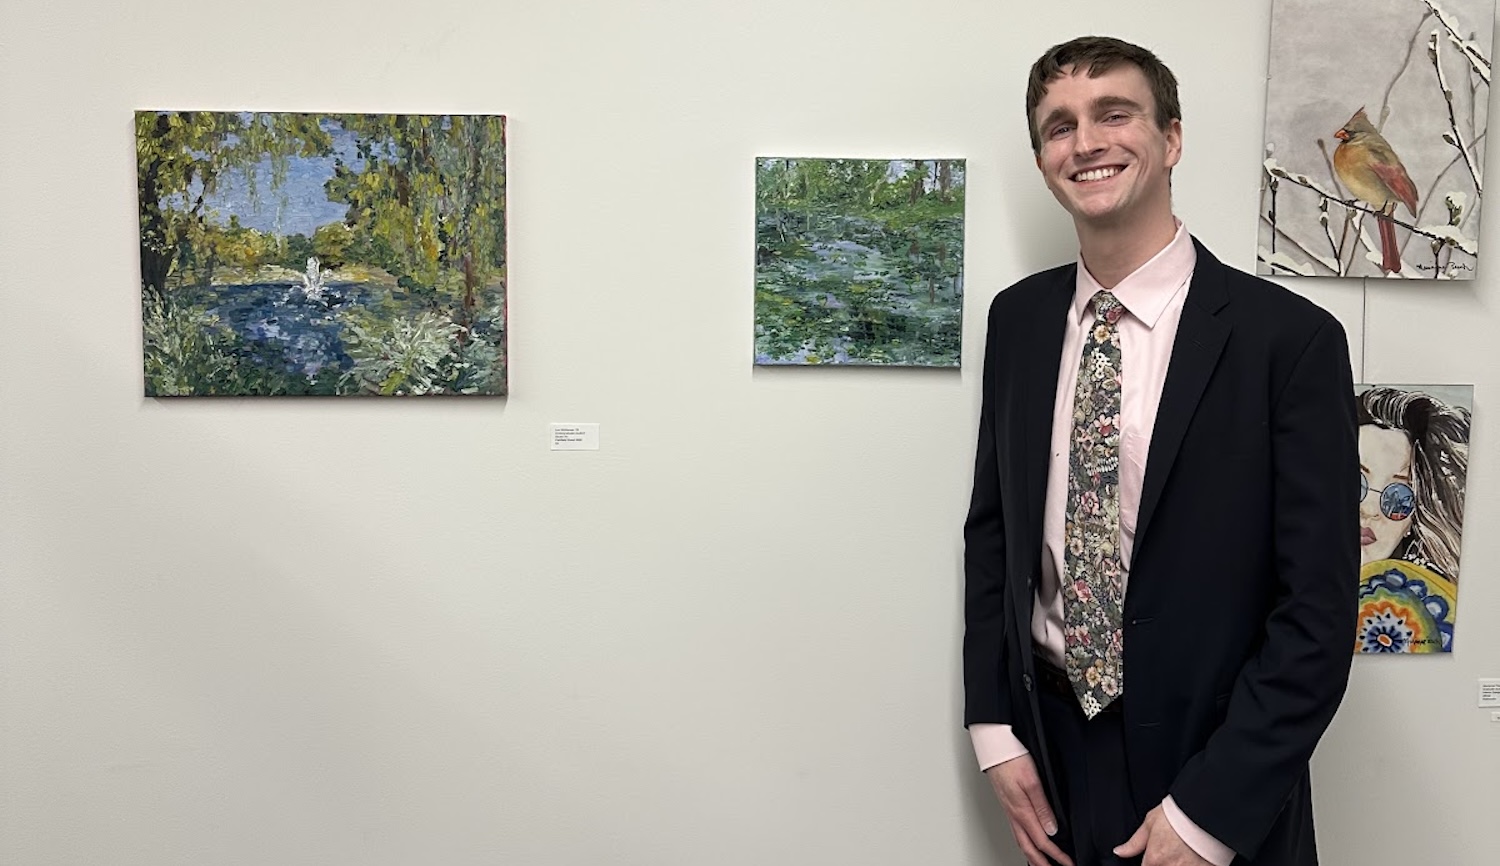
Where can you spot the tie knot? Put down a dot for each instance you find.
(1107, 307)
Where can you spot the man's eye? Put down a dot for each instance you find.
(1060, 130)
(1116, 117)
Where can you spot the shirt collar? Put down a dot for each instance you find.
(1148, 290)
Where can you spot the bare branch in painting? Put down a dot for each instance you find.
(1325, 262)
(1275, 186)
(1427, 198)
(1327, 233)
(1335, 266)
(1332, 175)
(1276, 170)
(1273, 171)
(1473, 96)
(1416, 36)
(1349, 215)
(1469, 49)
(1452, 238)
(1455, 138)
(1354, 222)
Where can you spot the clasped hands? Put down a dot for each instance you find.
(1033, 823)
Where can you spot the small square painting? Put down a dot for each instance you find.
(859, 261)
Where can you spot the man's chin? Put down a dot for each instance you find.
(1099, 215)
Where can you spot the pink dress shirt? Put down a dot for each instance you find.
(1153, 296)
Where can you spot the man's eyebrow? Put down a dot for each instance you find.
(1053, 116)
(1104, 102)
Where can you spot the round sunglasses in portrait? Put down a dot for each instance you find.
(1397, 500)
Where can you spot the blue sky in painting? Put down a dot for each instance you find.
(300, 205)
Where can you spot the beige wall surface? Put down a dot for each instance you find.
(396, 632)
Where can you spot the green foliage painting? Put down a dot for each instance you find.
(333, 254)
(859, 261)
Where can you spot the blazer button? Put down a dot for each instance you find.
(1026, 681)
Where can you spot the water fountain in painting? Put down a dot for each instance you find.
(314, 290)
(312, 282)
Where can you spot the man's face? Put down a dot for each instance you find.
(1103, 156)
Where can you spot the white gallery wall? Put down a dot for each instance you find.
(284, 631)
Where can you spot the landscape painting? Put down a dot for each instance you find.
(322, 254)
(1376, 118)
(1413, 475)
(859, 261)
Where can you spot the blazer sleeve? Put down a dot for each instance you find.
(986, 695)
(1287, 693)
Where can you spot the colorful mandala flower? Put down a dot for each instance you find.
(1404, 608)
(1385, 632)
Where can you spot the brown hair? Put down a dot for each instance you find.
(1439, 436)
(1100, 54)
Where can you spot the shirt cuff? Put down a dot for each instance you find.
(995, 744)
(1203, 845)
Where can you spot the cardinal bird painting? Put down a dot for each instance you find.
(1395, 190)
(1372, 171)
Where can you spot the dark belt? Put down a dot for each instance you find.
(1051, 678)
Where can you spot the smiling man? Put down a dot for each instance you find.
(1161, 551)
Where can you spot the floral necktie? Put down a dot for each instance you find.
(1092, 592)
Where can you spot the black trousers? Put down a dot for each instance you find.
(1096, 810)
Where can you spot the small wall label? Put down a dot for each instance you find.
(585, 437)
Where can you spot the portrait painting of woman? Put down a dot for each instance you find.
(1414, 461)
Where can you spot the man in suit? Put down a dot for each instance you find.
(1161, 552)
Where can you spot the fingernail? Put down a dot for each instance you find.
(1051, 828)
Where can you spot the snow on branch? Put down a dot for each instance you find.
(1468, 47)
(1441, 234)
(1281, 261)
(1454, 137)
(1452, 235)
(1275, 168)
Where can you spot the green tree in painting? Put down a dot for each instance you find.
(432, 194)
(428, 205)
(331, 242)
(859, 261)
(181, 157)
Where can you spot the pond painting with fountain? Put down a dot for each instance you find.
(322, 254)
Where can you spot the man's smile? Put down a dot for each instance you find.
(1093, 174)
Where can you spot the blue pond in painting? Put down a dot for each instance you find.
(280, 324)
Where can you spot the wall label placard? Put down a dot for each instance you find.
(575, 437)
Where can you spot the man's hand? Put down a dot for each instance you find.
(1031, 819)
(1160, 843)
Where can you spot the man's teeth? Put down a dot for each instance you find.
(1096, 174)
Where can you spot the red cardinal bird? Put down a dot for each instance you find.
(1367, 165)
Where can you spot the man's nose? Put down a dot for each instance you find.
(1087, 139)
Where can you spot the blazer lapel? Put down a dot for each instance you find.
(1040, 360)
(1201, 335)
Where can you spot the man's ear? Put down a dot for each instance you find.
(1174, 142)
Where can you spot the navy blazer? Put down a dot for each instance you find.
(1240, 611)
